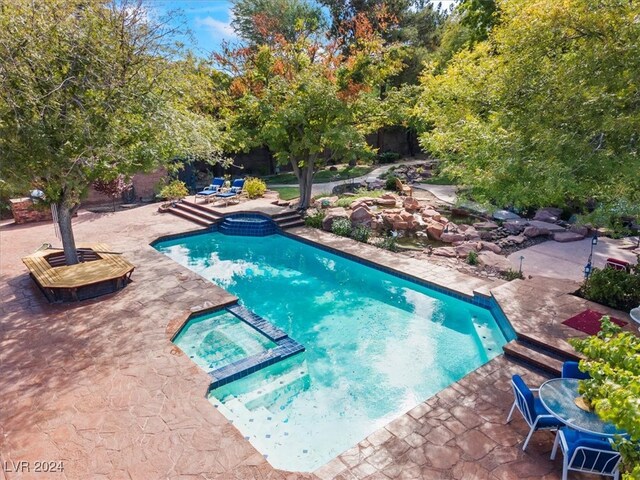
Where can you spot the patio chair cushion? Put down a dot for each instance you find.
(534, 405)
(570, 369)
(226, 194)
(602, 463)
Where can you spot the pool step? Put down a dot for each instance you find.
(288, 219)
(280, 390)
(533, 355)
(195, 213)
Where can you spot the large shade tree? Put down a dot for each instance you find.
(545, 111)
(88, 92)
(306, 101)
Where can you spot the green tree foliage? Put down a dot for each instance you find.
(479, 16)
(86, 93)
(266, 22)
(546, 111)
(306, 101)
(613, 361)
(615, 288)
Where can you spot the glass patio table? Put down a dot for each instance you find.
(558, 395)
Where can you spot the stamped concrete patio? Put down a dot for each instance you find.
(99, 386)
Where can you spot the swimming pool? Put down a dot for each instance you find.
(376, 344)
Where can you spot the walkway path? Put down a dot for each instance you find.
(567, 260)
(446, 193)
(320, 188)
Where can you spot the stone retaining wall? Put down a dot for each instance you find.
(25, 211)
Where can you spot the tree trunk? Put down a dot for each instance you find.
(65, 214)
(305, 182)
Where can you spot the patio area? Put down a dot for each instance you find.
(98, 385)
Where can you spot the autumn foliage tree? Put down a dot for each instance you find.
(307, 100)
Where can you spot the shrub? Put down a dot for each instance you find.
(390, 183)
(513, 275)
(174, 190)
(388, 157)
(614, 366)
(342, 227)
(614, 288)
(388, 243)
(254, 187)
(314, 221)
(472, 258)
(361, 233)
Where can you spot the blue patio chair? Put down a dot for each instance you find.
(531, 408)
(587, 453)
(570, 370)
(212, 189)
(235, 190)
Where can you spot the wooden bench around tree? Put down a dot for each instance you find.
(101, 271)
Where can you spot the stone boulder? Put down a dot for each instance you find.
(388, 200)
(332, 214)
(445, 252)
(532, 231)
(361, 216)
(435, 229)
(465, 248)
(428, 213)
(411, 204)
(494, 261)
(515, 227)
(450, 237)
(504, 215)
(515, 239)
(580, 230)
(485, 226)
(564, 237)
(548, 214)
(492, 247)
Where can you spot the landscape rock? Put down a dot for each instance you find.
(431, 213)
(548, 214)
(445, 252)
(494, 261)
(411, 204)
(435, 229)
(504, 215)
(564, 237)
(485, 226)
(464, 249)
(332, 214)
(452, 237)
(552, 227)
(361, 216)
(515, 227)
(492, 247)
(387, 200)
(580, 230)
(532, 231)
(516, 239)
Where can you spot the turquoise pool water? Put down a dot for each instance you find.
(376, 345)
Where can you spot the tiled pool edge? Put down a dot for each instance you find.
(481, 300)
(285, 346)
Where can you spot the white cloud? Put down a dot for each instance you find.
(217, 28)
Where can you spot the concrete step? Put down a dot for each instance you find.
(529, 354)
(291, 224)
(197, 212)
(283, 215)
(568, 353)
(202, 207)
(190, 216)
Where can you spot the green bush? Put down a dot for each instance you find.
(390, 183)
(388, 243)
(472, 258)
(614, 288)
(254, 187)
(174, 190)
(388, 157)
(342, 227)
(361, 233)
(513, 275)
(314, 221)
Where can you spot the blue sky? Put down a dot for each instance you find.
(209, 21)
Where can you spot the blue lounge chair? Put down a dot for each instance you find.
(531, 408)
(234, 191)
(587, 453)
(212, 189)
(570, 370)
